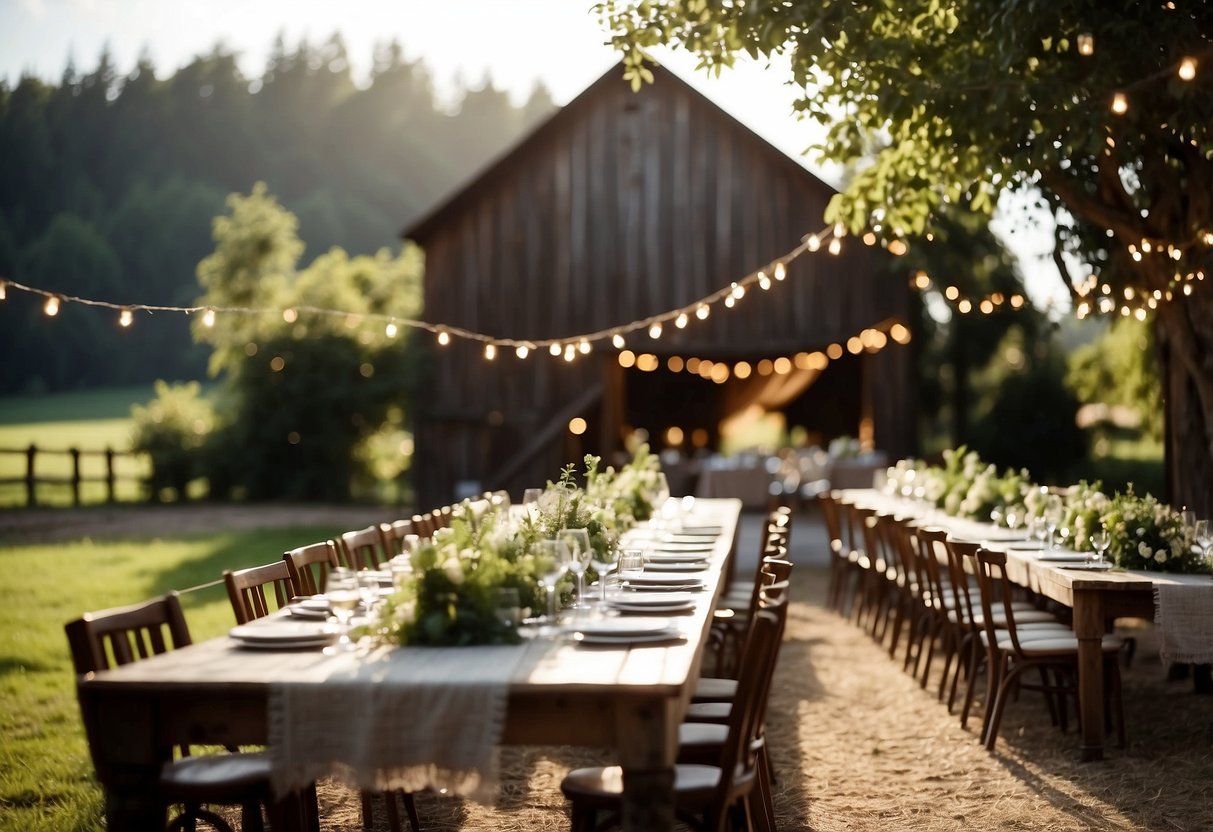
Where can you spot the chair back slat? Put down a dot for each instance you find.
(363, 549)
(118, 636)
(309, 566)
(246, 589)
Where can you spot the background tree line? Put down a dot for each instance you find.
(109, 184)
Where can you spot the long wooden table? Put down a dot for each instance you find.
(214, 692)
(1096, 598)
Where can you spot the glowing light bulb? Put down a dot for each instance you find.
(444, 338)
(390, 330)
(290, 315)
(51, 307)
(125, 317)
(922, 280)
(813, 242)
(554, 349)
(1086, 44)
(1187, 69)
(897, 248)
(583, 347)
(681, 320)
(3, 290)
(780, 271)
(738, 291)
(730, 302)
(764, 282)
(702, 312)
(655, 330)
(490, 351)
(835, 246)
(208, 318)
(617, 341)
(570, 352)
(1120, 104)
(522, 351)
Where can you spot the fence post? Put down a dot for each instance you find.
(31, 484)
(111, 493)
(75, 452)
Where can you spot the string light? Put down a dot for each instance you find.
(1086, 44)
(986, 305)
(569, 348)
(490, 352)
(1187, 69)
(125, 317)
(1120, 104)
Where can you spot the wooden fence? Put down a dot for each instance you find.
(32, 479)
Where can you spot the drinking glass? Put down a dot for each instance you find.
(1039, 530)
(603, 564)
(1053, 517)
(341, 590)
(553, 558)
(1188, 517)
(1204, 537)
(578, 543)
(368, 589)
(631, 564)
(997, 515)
(530, 501)
(1013, 516)
(509, 607)
(1100, 541)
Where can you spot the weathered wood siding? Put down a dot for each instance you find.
(622, 206)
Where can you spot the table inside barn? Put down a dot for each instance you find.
(214, 692)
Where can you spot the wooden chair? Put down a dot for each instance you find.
(396, 536)
(363, 549)
(711, 798)
(970, 619)
(104, 639)
(309, 567)
(1011, 655)
(246, 589)
(843, 571)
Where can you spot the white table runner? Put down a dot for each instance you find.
(407, 719)
(1183, 612)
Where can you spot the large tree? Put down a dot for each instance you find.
(1106, 106)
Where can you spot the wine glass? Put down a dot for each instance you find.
(1013, 517)
(553, 558)
(1101, 539)
(368, 589)
(509, 607)
(530, 501)
(604, 563)
(631, 564)
(1204, 537)
(1038, 529)
(578, 543)
(1053, 518)
(341, 590)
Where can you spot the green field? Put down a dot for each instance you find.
(46, 776)
(91, 421)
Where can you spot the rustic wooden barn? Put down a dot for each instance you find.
(621, 206)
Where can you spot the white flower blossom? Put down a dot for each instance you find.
(1160, 556)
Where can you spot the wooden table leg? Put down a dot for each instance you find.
(647, 733)
(1089, 628)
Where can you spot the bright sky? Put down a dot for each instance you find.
(517, 42)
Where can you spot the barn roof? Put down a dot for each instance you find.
(467, 194)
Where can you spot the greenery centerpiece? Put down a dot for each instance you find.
(1150, 535)
(451, 596)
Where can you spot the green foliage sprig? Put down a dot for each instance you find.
(1149, 535)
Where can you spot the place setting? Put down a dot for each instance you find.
(284, 633)
(624, 631)
(647, 603)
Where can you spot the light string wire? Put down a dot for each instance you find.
(829, 238)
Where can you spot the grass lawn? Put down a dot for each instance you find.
(91, 421)
(46, 775)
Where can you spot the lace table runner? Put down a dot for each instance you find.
(1183, 611)
(395, 719)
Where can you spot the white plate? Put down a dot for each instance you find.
(687, 586)
(671, 634)
(1088, 567)
(681, 547)
(280, 631)
(309, 613)
(1062, 557)
(1023, 545)
(645, 609)
(689, 528)
(302, 644)
(688, 537)
(661, 599)
(676, 566)
(675, 557)
(621, 627)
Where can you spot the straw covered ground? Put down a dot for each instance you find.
(859, 746)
